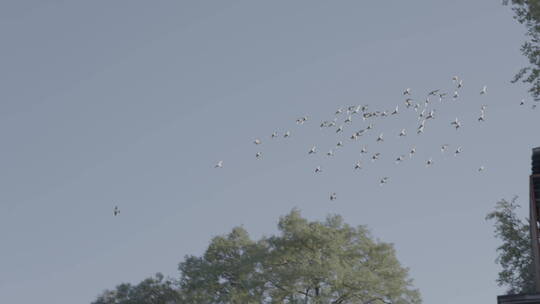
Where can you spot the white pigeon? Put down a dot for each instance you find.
(383, 180)
(481, 169)
(318, 169)
(333, 196)
(287, 134)
(403, 132)
(408, 102)
(258, 155)
(455, 78)
(312, 150)
(430, 115)
(458, 151)
(429, 162)
(301, 120)
(482, 117)
(407, 91)
(116, 211)
(456, 95)
(434, 92)
(364, 150)
(456, 123)
(380, 138)
(483, 108)
(412, 151)
(400, 159)
(219, 164)
(484, 90)
(257, 141)
(358, 165)
(375, 157)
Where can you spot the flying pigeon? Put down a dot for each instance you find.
(116, 211)
(358, 165)
(339, 144)
(411, 153)
(330, 153)
(458, 150)
(407, 91)
(364, 150)
(339, 129)
(396, 111)
(274, 135)
(429, 162)
(380, 138)
(460, 84)
(383, 180)
(287, 134)
(312, 150)
(375, 157)
(219, 164)
(444, 147)
(481, 169)
(434, 92)
(400, 159)
(403, 132)
(258, 155)
(257, 141)
(318, 169)
(484, 90)
(333, 196)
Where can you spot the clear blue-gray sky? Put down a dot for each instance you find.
(131, 103)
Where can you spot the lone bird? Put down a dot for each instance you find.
(116, 211)
(412, 152)
(258, 155)
(407, 91)
(358, 165)
(287, 134)
(380, 138)
(312, 150)
(375, 156)
(383, 180)
(219, 164)
(333, 196)
(257, 141)
(318, 169)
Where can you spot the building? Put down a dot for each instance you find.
(534, 206)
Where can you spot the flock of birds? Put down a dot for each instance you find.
(424, 113)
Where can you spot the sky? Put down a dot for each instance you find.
(132, 103)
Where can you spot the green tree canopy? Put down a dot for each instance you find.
(326, 262)
(527, 12)
(308, 262)
(153, 290)
(515, 253)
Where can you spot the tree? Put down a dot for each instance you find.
(308, 262)
(527, 12)
(515, 253)
(153, 290)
